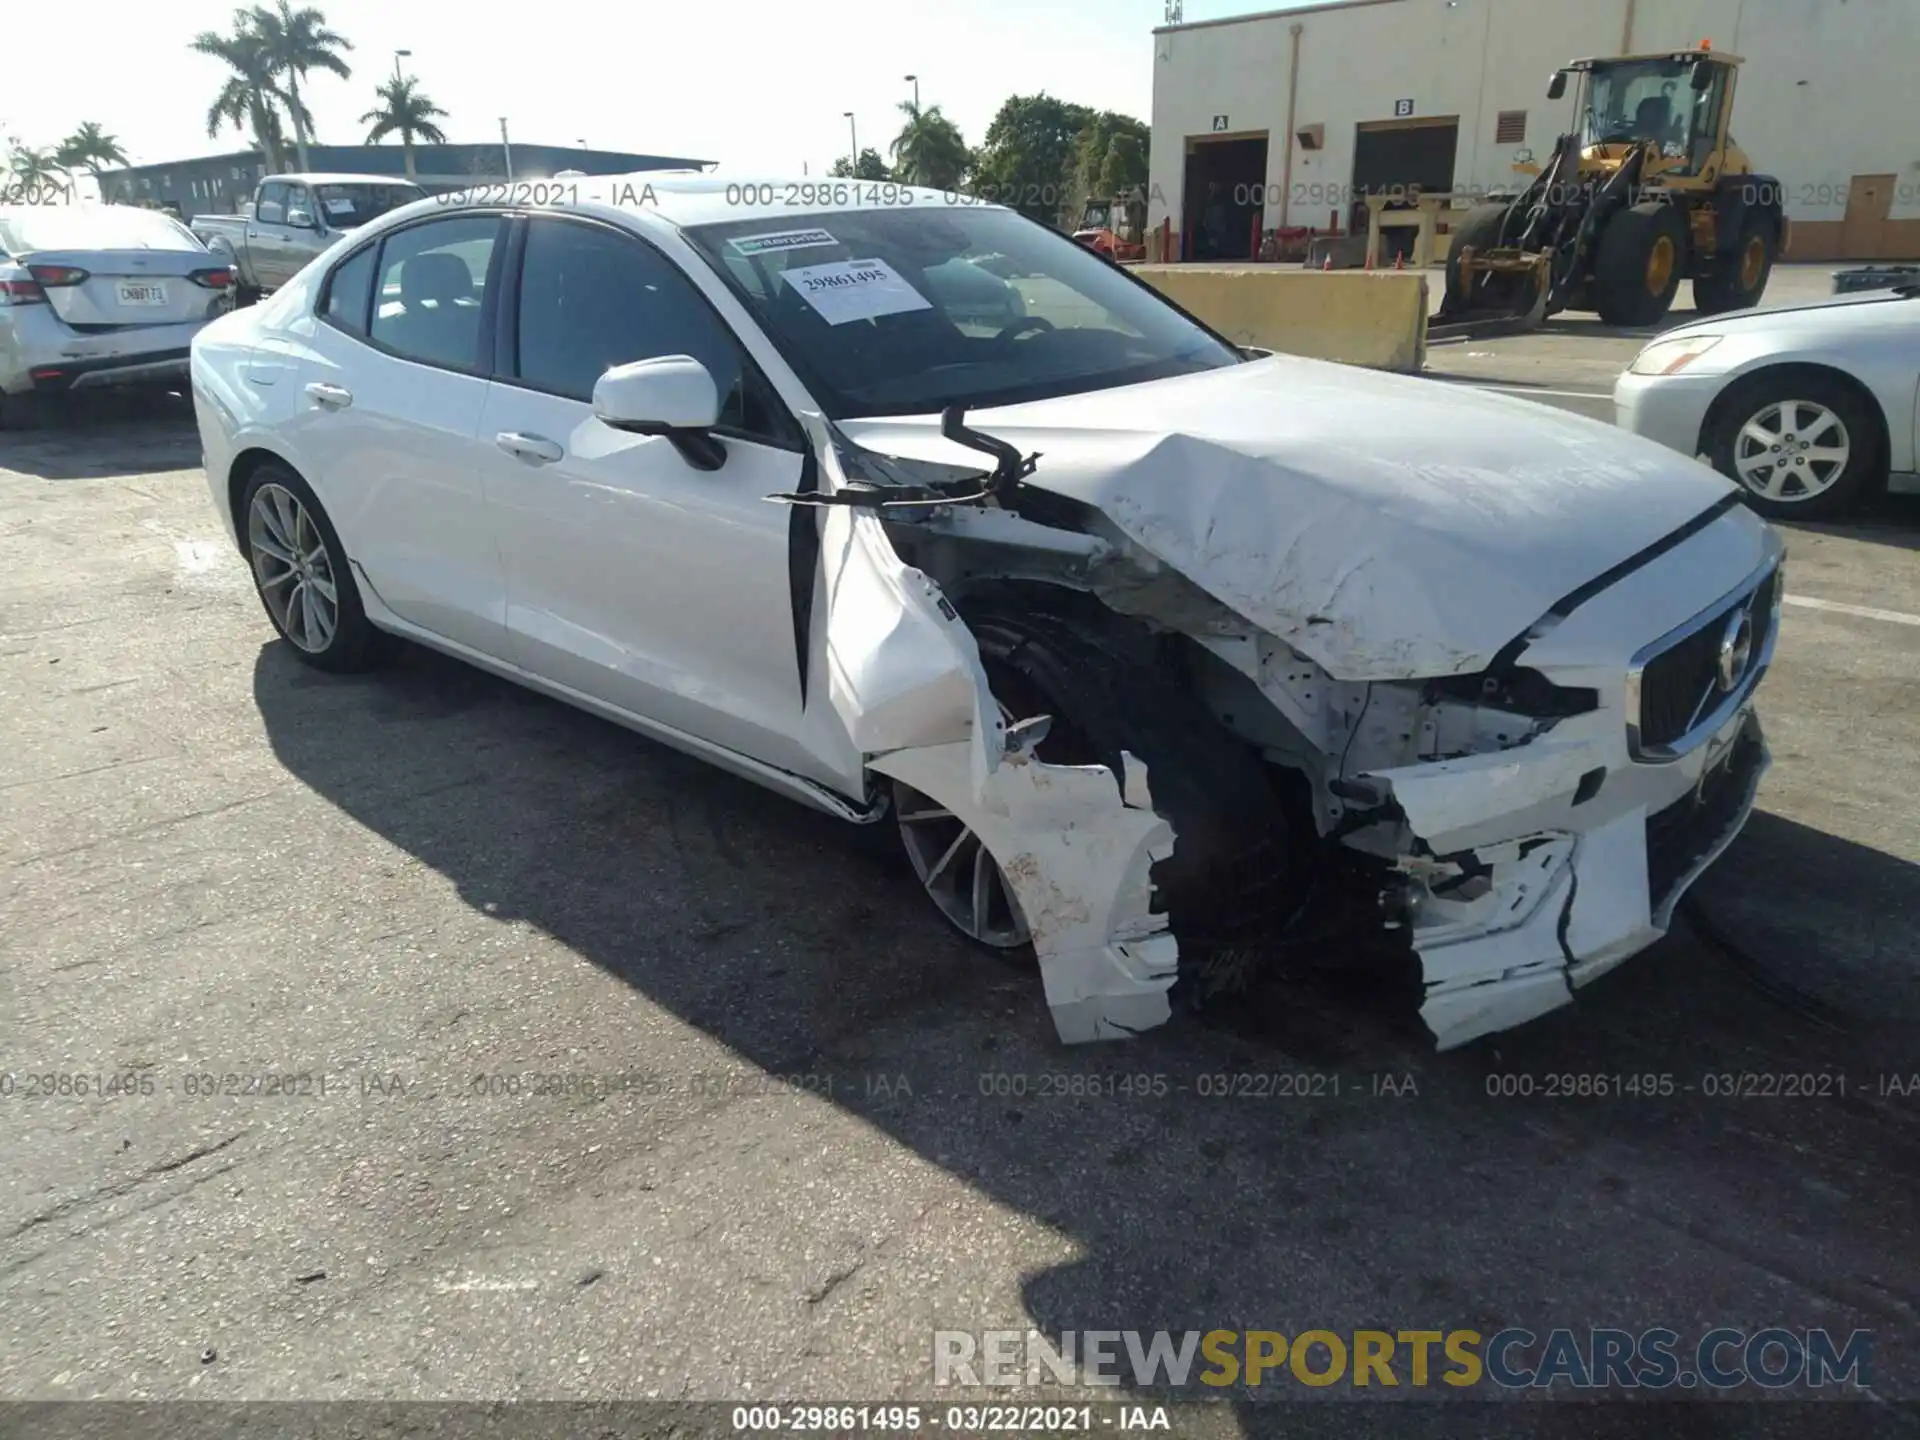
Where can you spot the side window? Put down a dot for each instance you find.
(592, 298)
(431, 291)
(298, 198)
(271, 207)
(349, 289)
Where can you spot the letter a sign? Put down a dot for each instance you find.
(1219, 123)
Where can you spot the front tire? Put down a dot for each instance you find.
(1237, 868)
(1739, 278)
(1802, 446)
(301, 574)
(1642, 255)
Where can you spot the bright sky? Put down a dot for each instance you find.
(758, 84)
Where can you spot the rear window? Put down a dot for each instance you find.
(105, 227)
(345, 206)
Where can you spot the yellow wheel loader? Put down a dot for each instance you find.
(1646, 190)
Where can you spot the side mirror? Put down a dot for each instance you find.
(1557, 86)
(300, 219)
(1702, 79)
(674, 396)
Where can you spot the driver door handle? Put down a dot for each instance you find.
(535, 448)
(332, 397)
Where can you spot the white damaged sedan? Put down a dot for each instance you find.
(1166, 659)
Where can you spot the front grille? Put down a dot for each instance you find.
(1680, 688)
(1686, 832)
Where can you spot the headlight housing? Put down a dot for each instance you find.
(1669, 357)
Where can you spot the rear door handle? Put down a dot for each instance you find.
(333, 397)
(535, 448)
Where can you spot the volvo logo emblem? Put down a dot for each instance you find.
(1736, 650)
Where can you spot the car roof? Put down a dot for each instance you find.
(329, 177)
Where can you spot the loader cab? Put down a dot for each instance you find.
(1678, 103)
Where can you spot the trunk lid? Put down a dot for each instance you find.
(127, 288)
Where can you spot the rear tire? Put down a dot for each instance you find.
(301, 574)
(1738, 279)
(1237, 869)
(1642, 255)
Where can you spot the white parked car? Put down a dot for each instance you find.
(96, 295)
(1809, 408)
(1158, 653)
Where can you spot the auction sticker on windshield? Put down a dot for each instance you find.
(781, 240)
(339, 205)
(846, 290)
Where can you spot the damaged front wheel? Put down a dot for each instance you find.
(960, 877)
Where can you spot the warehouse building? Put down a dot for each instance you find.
(220, 184)
(1283, 120)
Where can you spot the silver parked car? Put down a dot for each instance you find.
(100, 295)
(1808, 408)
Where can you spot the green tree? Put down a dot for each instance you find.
(248, 100)
(1110, 156)
(406, 112)
(37, 172)
(297, 41)
(869, 167)
(1028, 159)
(90, 148)
(929, 150)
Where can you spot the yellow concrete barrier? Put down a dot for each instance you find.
(1375, 318)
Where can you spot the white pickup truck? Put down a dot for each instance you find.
(292, 219)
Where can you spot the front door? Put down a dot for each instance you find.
(272, 239)
(634, 577)
(1862, 232)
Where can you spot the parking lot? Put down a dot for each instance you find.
(460, 1045)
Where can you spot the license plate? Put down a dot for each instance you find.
(142, 292)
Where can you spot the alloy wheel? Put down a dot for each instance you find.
(293, 569)
(1792, 450)
(959, 875)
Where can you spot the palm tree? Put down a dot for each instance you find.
(297, 41)
(929, 149)
(406, 112)
(249, 100)
(37, 171)
(91, 149)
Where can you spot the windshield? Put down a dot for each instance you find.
(1098, 217)
(346, 206)
(1653, 100)
(904, 312)
(103, 227)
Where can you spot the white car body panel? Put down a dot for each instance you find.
(1257, 485)
(1873, 338)
(1335, 539)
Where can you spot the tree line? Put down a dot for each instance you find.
(1041, 155)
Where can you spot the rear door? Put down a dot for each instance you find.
(632, 576)
(392, 388)
(116, 267)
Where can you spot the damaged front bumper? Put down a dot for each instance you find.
(1505, 932)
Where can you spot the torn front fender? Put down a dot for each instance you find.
(1076, 844)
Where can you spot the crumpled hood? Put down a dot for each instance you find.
(1387, 526)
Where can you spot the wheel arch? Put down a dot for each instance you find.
(1783, 370)
(246, 464)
